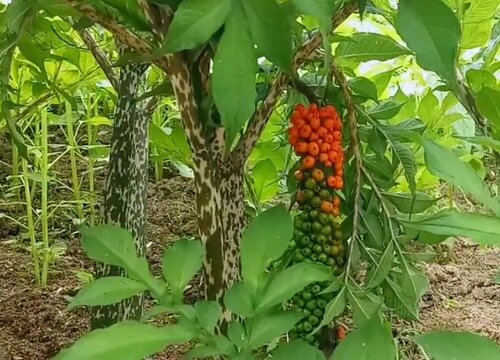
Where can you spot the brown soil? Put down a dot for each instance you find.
(36, 325)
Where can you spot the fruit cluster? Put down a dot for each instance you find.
(316, 136)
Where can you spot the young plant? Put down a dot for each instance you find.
(256, 300)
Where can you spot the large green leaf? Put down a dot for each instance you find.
(444, 164)
(263, 329)
(480, 11)
(364, 306)
(265, 178)
(297, 350)
(270, 31)
(334, 308)
(405, 156)
(480, 78)
(235, 67)
(364, 87)
(372, 341)
(488, 103)
(483, 141)
(106, 291)
(142, 340)
(264, 240)
(239, 300)
(431, 29)
(380, 271)
(369, 46)
(109, 244)
(195, 21)
(208, 314)
(385, 110)
(181, 262)
(483, 229)
(280, 288)
(131, 12)
(404, 202)
(448, 345)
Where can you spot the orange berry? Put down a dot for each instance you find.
(293, 140)
(339, 173)
(314, 136)
(323, 157)
(336, 201)
(305, 131)
(331, 181)
(328, 163)
(313, 107)
(293, 131)
(333, 156)
(315, 122)
(324, 147)
(322, 131)
(326, 207)
(337, 125)
(339, 183)
(308, 162)
(337, 136)
(313, 148)
(299, 123)
(329, 124)
(339, 166)
(329, 138)
(301, 147)
(336, 146)
(320, 141)
(318, 175)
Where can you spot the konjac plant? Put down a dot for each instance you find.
(356, 201)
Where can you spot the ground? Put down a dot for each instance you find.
(35, 324)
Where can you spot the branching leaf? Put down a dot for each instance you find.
(107, 290)
(404, 202)
(372, 341)
(431, 29)
(181, 262)
(448, 345)
(280, 288)
(364, 307)
(275, 44)
(264, 329)
(383, 268)
(195, 21)
(483, 229)
(264, 240)
(334, 308)
(142, 340)
(234, 71)
(369, 46)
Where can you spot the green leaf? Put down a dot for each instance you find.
(488, 103)
(385, 110)
(270, 31)
(195, 21)
(363, 87)
(480, 10)
(448, 345)
(181, 262)
(382, 269)
(373, 340)
(264, 241)
(334, 308)
(131, 12)
(480, 78)
(264, 329)
(483, 141)
(235, 66)
(142, 340)
(237, 334)
(208, 314)
(16, 12)
(431, 29)
(297, 350)
(280, 288)
(403, 202)
(365, 307)
(265, 178)
(369, 46)
(401, 303)
(443, 163)
(483, 229)
(405, 156)
(239, 300)
(109, 244)
(106, 291)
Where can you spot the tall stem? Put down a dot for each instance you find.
(72, 155)
(15, 170)
(31, 224)
(44, 164)
(90, 161)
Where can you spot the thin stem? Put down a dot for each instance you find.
(45, 224)
(355, 144)
(72, 155)
(31, 226)
(90, 161)
(15, 170)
